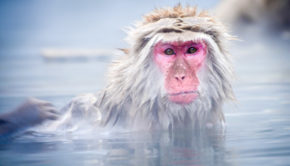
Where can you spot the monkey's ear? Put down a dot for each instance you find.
(125, 50)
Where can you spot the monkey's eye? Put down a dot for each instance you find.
(191, 50)
(169, 51)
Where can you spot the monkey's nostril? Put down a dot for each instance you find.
(179, 78)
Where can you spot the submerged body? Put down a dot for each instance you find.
(176, 74)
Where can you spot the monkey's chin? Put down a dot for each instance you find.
(183, 98)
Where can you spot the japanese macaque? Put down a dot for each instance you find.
(177, 73)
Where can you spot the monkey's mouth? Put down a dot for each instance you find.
(183, 97)
(183, 92)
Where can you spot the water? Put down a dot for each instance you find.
(258, 123)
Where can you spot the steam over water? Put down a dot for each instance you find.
(257, 126)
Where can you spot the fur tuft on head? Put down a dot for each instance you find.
(176, 12)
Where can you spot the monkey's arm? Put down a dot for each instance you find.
(80, 109)
(30, 113)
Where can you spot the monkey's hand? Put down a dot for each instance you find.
(30, 113)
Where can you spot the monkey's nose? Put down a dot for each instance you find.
(179, 77)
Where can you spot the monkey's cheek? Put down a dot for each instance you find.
(183, 98)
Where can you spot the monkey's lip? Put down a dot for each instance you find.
(183, 92)
(183, 97)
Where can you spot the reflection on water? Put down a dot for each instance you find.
(123, 148)
(258, 124)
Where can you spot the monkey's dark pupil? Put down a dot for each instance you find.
(191, 50)
(169, 51)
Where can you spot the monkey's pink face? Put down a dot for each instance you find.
(180, 62)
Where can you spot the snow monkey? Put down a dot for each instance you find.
(176, 73)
